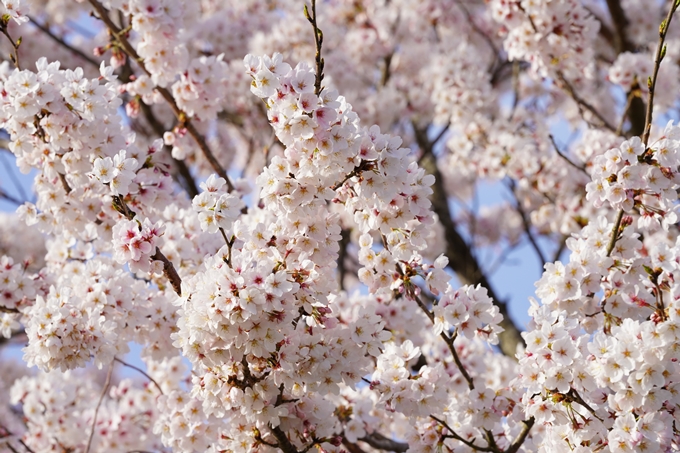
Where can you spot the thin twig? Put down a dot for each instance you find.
(456, 436)
(527, 225)
(96, 410)
(15, 44)
(45, 29)
(449, 340)
(582, 103)
(318, 42)
(8, 197)
(141, 371)
(563, 156)
(651, 84)
(632, 94)
(615, 233)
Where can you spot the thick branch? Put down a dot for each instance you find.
(284, 443)
(521, 437)
(461, 260)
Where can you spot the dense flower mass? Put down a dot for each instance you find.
(263, 226)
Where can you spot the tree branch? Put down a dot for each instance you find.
(45, 29)
(519, 440)
(182, 117)
(449, 340)
(140, 371)
(284, 443)
(168, 268)
(99, 403)
(380, 442)
(461, 260)
(318, 42)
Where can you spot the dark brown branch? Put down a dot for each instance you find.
(456, 436)
(615, 232)
(620, 21)
(318, 42)
(159, 129)
(4, 309)
(119, 36)
(64, 183)
(521, 437)
(342, 255)
(636, 109)
(449, 340)
(352, 448)
(461, 259)
(380, 442)
(168, 268)
(284, 443)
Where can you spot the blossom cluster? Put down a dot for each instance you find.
(552, 36)
(135, 243)
(633, 176)
(216, 208)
